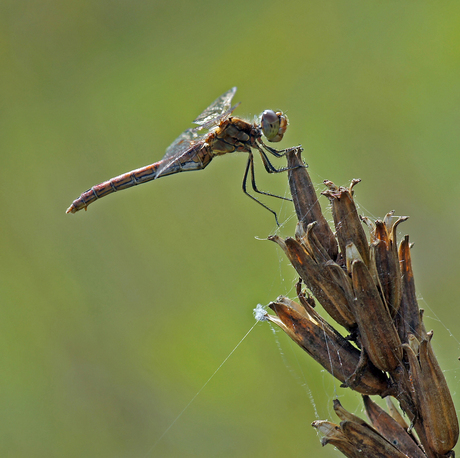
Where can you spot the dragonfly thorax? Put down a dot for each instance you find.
(234, 134)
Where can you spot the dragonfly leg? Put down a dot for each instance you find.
(278, 152)
(253, 181)
(250, 165)
(269, 167)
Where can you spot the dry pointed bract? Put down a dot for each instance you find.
(326, 345)
(315, 275)
(376, 329)
(436, 412)
(348, 226)
(306, 203)
(408, 320)
(389, 428)
(384, 252)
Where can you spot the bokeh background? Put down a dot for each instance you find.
(114, 319)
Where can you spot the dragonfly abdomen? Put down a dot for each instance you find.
(196, 158)
(127, 180)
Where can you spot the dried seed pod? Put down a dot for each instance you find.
(356, 439)
(344, 415)
(333, 296)
(370, 291)
(326, 345)
(306, 202)
(334, 435)
(437, 416)
(368, 442)
(311, 243)
(391, 430)
(408, 320)
(377, 331)
(385, 256)
(331, 271)
(395, 414)
(389, 276)
(382, 424)
(347, 223)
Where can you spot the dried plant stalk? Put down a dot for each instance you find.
(367, 287)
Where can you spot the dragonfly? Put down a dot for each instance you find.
(217, 133)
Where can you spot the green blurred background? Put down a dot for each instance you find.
(113, 319)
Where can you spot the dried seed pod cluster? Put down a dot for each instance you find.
(367, 287)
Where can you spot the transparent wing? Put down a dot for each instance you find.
(210, 117)
(180, 146)
(218, 107)
(183, 142)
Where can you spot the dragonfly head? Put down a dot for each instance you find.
(273, 125)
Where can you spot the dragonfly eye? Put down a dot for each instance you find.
(273, 125)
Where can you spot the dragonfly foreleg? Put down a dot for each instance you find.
(275, 152)
(278, 152)
(269, 166)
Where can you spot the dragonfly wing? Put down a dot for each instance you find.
(183, 142)
(218, 111)
(179, 146)
(191, 158)
(218, 107)
(216, 121)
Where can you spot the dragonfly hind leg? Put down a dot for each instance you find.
(250, 167)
